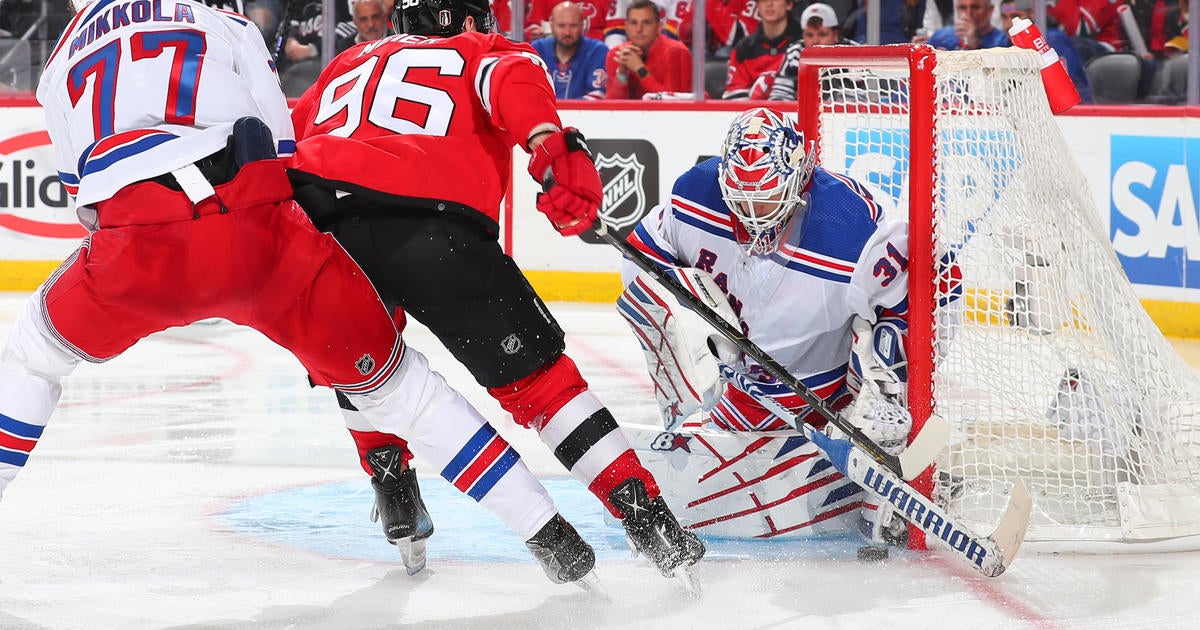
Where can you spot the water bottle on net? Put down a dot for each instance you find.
(1060, 90)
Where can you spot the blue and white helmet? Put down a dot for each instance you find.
(765, 168)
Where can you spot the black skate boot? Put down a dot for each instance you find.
(398, 504)
(564, 556)
(652, 530)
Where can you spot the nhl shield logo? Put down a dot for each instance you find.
(511, 344)
(365, 365)
(624, 195)
(629, 174)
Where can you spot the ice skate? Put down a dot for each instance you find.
(565, 556)
(653, 531)
(399, 507)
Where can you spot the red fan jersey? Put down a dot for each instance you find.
(1097, 19)
(424, 117)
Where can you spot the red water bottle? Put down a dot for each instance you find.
(1060, 90)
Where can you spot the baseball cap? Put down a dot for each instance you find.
(819, 10)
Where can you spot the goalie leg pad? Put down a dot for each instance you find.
(681, 349)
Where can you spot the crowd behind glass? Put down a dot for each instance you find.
(1117, 51)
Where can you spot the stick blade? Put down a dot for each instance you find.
(925, 447)
(1004, 541)
(1010, 533)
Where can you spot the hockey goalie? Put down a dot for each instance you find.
(804, 263)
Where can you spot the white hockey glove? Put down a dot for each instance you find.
(682, 350)
(878, 359)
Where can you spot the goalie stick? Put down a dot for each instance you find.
(989, 555)
(925, 446)
(860, 459)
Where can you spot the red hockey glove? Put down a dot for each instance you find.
(563, 166)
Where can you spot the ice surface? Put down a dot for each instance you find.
(197, 482)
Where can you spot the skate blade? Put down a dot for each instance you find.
(688, 580)
(591, 584)
(412, 552)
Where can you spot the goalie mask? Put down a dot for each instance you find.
(764, 171)
(441, 18)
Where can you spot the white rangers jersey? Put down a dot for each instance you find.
(841, 257)
(138, 88)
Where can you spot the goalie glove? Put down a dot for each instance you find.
(877, 359)
(562, 164)
(682, 350)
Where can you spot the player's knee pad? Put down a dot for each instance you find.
(537, 397)
(33, 347)
(409, 399)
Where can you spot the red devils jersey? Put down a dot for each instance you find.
(595, 15)
(424, 117)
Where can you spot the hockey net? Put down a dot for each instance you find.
(1042, 359)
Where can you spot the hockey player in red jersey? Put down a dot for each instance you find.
(174, 170)
(404, 154)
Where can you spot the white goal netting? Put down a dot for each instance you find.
(1046, 365)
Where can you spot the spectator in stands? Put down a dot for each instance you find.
(303, 41)
(762, 52)
(1094, 26)
(1055, 38)
(266, 14)
(1150, 16)
(594, 13)
(728, 22)
(648, 62)
(898, 21)
(938, 13)
(820, 29)
(973, 29)
(372, 20)
(1170, 84)
(671, 13)
(576, 62)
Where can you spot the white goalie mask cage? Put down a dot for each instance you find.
(764, 171)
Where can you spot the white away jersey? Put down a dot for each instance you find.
(841, 258)
(135, 89)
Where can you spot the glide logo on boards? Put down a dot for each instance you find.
(1153, 209)
(32, 199)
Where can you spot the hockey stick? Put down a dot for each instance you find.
(989, 555)
(859, 459)
(925, 446)
(282, 29)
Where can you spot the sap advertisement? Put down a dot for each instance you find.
(1154, 197)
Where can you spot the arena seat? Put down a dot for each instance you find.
(1115, 78)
